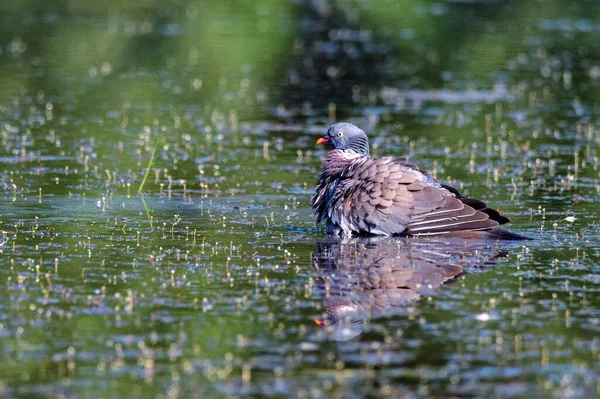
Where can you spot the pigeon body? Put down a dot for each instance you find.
(361, 195)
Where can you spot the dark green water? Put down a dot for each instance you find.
(210, 282)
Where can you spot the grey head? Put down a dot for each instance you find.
(346, 136)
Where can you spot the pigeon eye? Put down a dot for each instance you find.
(340, 134)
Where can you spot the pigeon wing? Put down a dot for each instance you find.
(388, 196)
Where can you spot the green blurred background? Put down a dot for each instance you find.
(228, 53)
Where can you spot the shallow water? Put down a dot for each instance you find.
(215, 281)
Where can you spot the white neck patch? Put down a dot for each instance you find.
(350, 154)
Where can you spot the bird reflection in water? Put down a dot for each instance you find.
(358, 277)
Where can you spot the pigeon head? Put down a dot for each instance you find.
(346, 136)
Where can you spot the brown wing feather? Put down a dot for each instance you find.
(452, 215)
(478, 205)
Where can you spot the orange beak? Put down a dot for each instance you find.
(320, 322)
(323, 140)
